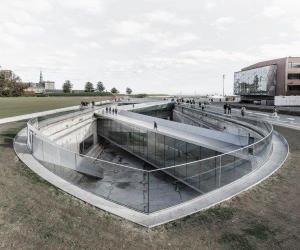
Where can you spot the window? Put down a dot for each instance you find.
(294, 65)
(294, 76)
(294, 88)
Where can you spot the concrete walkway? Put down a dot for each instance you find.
(288, 121)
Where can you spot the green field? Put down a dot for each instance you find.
(12, 106)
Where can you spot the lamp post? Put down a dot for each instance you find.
(223, 84)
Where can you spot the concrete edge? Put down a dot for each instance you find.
(163, 216)
(43, 113)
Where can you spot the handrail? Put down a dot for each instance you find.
(38, 133)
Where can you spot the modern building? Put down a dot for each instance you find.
(265, 80)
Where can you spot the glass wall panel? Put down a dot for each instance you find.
(160, 150)
(259, 81)
(169, 151)
(151, 146)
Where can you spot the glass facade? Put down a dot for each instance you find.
(182, 170)
(259, 81)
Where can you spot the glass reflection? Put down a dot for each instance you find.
(259, 81)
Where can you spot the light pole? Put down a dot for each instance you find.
(223, 84)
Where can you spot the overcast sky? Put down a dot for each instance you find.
(157, 46)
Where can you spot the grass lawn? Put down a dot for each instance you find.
(12, 106)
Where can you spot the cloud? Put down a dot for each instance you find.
(82, 32)
(280, 49)
(18, 29)
(161, 16)
(130, 31)
(32, 6)
(129, 27)
(210, 5)
(213, 55)
(223, 22)
(90, 6)
(273, 11)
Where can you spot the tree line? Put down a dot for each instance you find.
(89, 87)
(15, 87)
(11, 87)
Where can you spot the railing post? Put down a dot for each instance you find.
(148, 192)
(75, 161)
(220, 170)
(43, 150)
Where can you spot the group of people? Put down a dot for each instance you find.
(227, 108)
(202, 105)
(110, 110)
(85, 104)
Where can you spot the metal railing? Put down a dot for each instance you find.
(150, 189)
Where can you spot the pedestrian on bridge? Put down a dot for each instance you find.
(155, 125)
(275, 113)
(229, 109)
(225, 108)
(243, 111)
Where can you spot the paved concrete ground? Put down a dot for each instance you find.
(288, 121)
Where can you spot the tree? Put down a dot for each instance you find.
(100, 87)
(255, 83)
(128, 91)
(114, 90)
(12, 87)
(67, 86)
(89, 87)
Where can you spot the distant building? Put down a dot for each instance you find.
(49, 85)
(265, 80)
(42, 86)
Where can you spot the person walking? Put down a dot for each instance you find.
(106, 109)
(155, 125)
(225, 108)
(243, 110)
(229, 109)
(275, 114)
